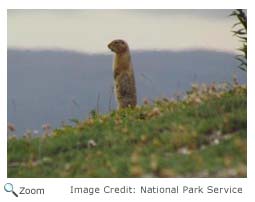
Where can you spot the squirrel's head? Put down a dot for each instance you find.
(118, 46)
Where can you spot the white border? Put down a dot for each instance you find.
(57, 187)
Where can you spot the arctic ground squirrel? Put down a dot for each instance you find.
(123, 74)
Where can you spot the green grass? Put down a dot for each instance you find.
(203, 135)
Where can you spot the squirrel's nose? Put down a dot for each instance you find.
(110, 46)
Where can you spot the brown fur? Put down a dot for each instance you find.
(124, 80)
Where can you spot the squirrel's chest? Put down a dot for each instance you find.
(120, 69)
(122, 64)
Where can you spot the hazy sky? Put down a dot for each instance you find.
(91, 30)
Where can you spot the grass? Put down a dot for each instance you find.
(203, 135)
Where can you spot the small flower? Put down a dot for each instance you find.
(235, 80)
(28, 134)
(194, 87)
(91, 143)
(11, 127)
(146, 101)
(117, 120)
(216, 141)
(197, 100)
(46, 129)
(183, 150)
(154, 112)
(144, 138)
(46, 126)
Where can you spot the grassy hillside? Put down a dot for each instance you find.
(202, 135)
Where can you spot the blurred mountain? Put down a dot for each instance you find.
(52, 86)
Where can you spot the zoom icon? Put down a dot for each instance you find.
(8, 187)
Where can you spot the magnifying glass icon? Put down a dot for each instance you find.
(8, 187)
